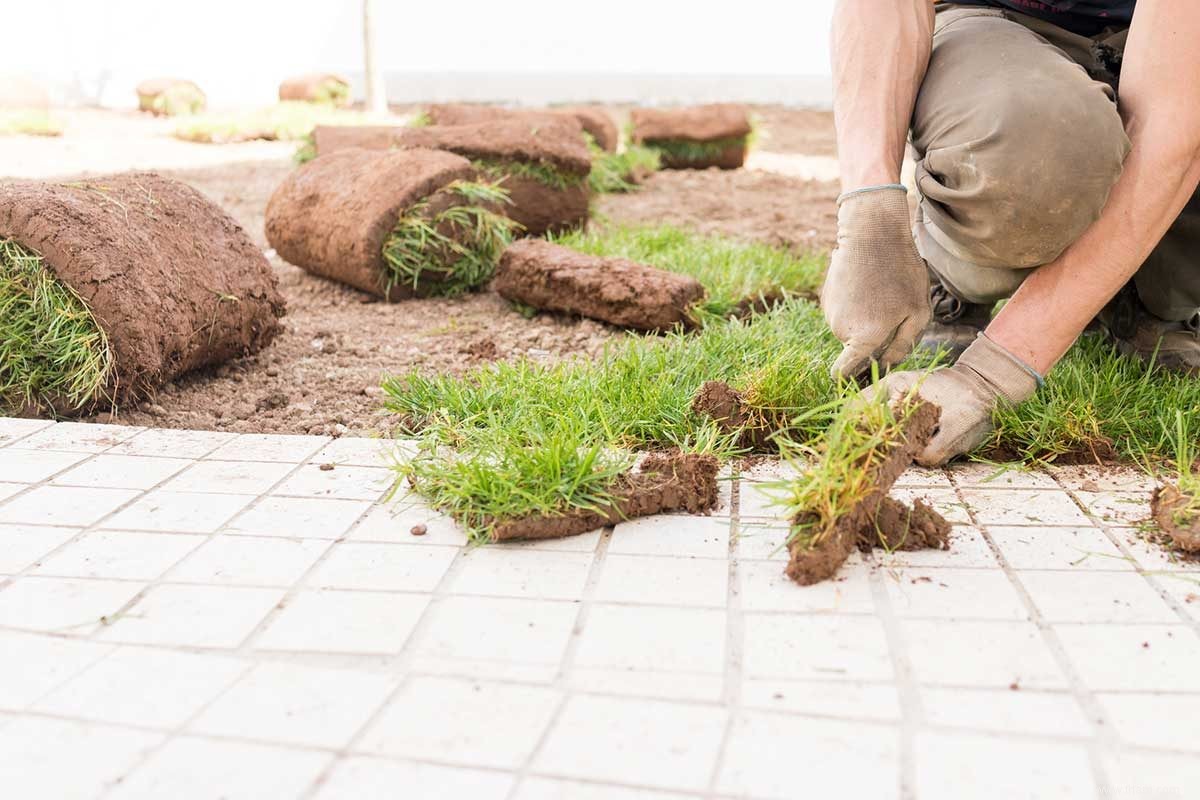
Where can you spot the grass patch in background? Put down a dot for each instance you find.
(289, 120)
(51, 348)
(733, 272)
(622, 171)
(333, 92)
(180, 100)
(30, 122)
(452, 250)
(685, 150)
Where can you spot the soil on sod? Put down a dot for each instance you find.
(818, 555)
(625, 293)
(121, 241)
(664, 482)
(335, 215)
(1169, 508)
(595, 121)
(544, 167)
(725, 406)
(699, 137)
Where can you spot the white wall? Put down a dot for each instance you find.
(238, 50)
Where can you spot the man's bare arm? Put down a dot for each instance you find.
(1160, 103)
(880, 52)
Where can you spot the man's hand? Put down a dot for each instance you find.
(876, 293)
(985, 377)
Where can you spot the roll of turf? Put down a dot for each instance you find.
(394, 223)
(715, 135)
(320, 87)
(544, 166)
(595, 121)
(115, 285)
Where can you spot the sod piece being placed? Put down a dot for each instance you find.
(170, 97)
(321, 87)
(839, 503)
(714, 135)
(113, 286)
(596, 122)
(396, 224)
(543, 167)
(551, 277)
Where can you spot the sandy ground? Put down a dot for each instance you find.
(323, 374)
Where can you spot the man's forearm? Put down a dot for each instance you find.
(1162, 112)
(880, 52)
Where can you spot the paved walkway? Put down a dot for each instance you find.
(187, 614)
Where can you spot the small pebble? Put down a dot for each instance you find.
(418, 530)
(326, 467)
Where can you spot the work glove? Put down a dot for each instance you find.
(985, 377)
(876, 292)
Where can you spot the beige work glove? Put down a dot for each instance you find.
(985, 377)
(876, 292)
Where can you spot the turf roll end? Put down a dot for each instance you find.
(716, 135)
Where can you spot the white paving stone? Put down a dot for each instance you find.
(299, 517)
(1134, 657)
(23, 545)
(663, 579)
(1058, 548)
(381, 567)
(34, 664)
(992, 654)
(1024, 507)
(342, 482)
(112, 471)
(957, 765)
(182, 512)
(270, 447)
(343, 622)
(1095, 597)
(229, 477)
(32, 466)
(367, 778)
(69, 606)
(172, 443)
(816, 646)
(77, 437)
(12, 430)
(954, 594)
(706, 537)
(1016, 711)
(512, 572)
(1163, 721)
(64, 505)
(129, 555)
(824, 698)
(196, 616)
(248, 560)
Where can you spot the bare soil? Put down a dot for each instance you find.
(614, 290)
(664, 482)
(864, 522)
(322, 373)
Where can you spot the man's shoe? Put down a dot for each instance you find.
(955, 323)
(1137, 332)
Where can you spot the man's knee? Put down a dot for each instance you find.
(1018, 183)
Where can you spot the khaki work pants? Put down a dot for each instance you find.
(1018, 143)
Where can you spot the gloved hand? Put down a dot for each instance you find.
(876, 292)
(985, 376)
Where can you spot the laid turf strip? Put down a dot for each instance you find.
(596, 122)
(286, 121)
(543, 167)
(117, 246)
(715, 135)
(321, 87)
(552, 277)
(397, 224)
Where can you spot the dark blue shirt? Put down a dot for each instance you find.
(1085, 17)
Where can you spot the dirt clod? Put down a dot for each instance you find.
(326, 467)
(665, 482)
(726, 407)
(419, 529)
(1165, 505)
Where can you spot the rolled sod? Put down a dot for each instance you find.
(319, 87)
(343, 215)
(544, 167)
(170, 97)
(699, 137)
(171, 282)
(615, 290)
(594, 121)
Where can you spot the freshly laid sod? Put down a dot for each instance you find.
(52, 351)
(33, 122)
(545, 174)
(736, 274)
(622, 171)
(290, 120)
(453, 249)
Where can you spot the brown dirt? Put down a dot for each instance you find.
(555, 143)
(760, 206)
(664, 482)
(17, 92)
(337, 342)
(898, 527)
(307, 87)
(614, 290)
(1164, 504)
(120, 241)
(596, 121)
(332, 215)
(795, 130)
(725, 405)
(839, 537)
(149, 90)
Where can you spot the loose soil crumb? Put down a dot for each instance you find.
(727, 408)
(665, 482)
(1165, 503)
(811, 564)
(898, 527)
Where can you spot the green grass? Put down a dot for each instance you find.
(420, 120)
(179, 101)
(332, 91)
(51, 348)
(453, 250)
(289, 120)
(731, 271)
(684, 150)
(611, 171)
(1186, 458)
(30, 122)
(545, 174)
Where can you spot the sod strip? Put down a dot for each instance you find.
(716, 135)
(739, 277)
(53, 353)
(624, 171)
(324, 88)
(115, 241)
(286, 121)
(397, 224)
(170, 97)
(595, 122)
(686, 154)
